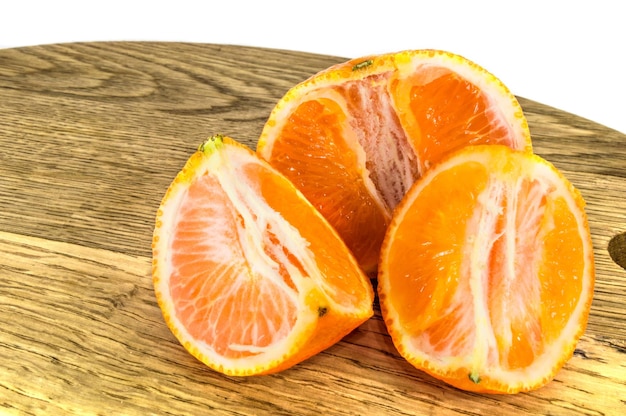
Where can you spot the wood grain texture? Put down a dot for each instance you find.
(91, 134)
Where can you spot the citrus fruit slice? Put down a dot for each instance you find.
(486, 275)
(354, 137)
(250, 278)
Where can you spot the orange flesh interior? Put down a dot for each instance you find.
(425, 278)
(524, 308)
(403, 124)
(317, 130)
(563, 258)
(446, 113)
(211, 311)
(212, 279)
(332, 260)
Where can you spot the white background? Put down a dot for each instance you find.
(566, 54)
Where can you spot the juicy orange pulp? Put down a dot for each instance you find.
(355, 137)
(486, 271)
(447, 112)
(250, 277)
(328, 172)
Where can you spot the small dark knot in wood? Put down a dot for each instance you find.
(617, 249)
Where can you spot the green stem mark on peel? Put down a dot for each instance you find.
(321, 311)
(474, 377)
(362, 65)
(211, 144)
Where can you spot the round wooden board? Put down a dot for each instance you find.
(91, 135)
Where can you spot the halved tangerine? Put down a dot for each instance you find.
(354, 137)
(250, 278)
(486, 275)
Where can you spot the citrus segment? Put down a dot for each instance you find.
(251, 279)
(486, 275)
(326, 170)
(447, 112)
(354, 137)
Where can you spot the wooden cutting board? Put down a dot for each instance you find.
(91, 134)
